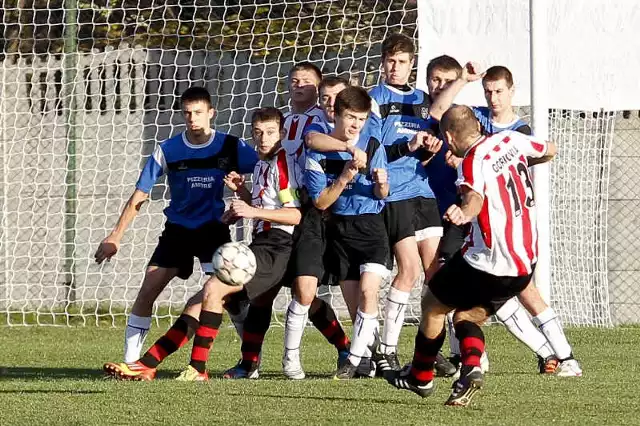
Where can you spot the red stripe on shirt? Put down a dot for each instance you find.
(283, 170)
(485, 224)
(506, 203)
(527, 236)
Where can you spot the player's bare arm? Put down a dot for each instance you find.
(330, 194)
(469, 208)
(110, 245)
(552, 150)
(381, 188)
(235, 182)
(284, 215)
(470, 72)
(324, 143)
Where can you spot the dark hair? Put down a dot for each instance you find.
(354, 98)
(444, 63)
(332, 81)
(398, 43)
(306, 66)
(499, 72)
(460, 121)
(267, 114)
(196, 94)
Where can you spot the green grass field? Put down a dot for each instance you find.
(53, 376)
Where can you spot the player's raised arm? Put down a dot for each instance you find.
(321, 142)
(550, 152)
(468, 209)
(443, 101)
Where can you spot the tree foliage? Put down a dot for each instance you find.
(269, 29)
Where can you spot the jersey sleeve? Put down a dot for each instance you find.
(379, 160)
(287, 187)
(155, 167)
(470, 173)
(247, 157)
(313, 127)
(530, 146)
(483, 116)
(375, 118)
(315, 177)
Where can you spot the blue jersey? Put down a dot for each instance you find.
(323, 168)
(399, 115)
(489, 127)
(195, 175)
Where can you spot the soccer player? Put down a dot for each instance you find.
(195, 161)
(304, 79)
(355, 230)
(498, 259)
(308, 255)
(549, 342)
(411, 212)
(274, 207)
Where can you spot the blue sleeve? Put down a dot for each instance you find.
(483, 118)
(379, 160)
(375, 118)
(247, 157)
(153, 169)
(313, 127)
(315, 177)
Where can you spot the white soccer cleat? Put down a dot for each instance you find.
(291, 366)
(569, 368)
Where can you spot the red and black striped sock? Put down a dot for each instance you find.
(424, 356)
(471, 343)
(323, 317)
(255, 327)
(180, 332)
(206, 334)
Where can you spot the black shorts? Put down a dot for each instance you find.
(272, 249)
(355, 243)
(461, 286)
(310, 245)
(452, 240)
(416, 217)
(177, 246)
(426, 218)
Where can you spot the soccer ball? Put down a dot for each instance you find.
(234, 263)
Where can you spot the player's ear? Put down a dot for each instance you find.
(212, 113)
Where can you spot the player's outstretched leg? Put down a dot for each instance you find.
(471, 378)
(516, 320)
(144, 369)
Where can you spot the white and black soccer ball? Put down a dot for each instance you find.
(234, 263)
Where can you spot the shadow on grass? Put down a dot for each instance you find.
(364, 399)
(44, 373)
(54, 391)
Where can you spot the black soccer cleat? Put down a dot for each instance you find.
(346, 371)
(444, 368)
(463, 389)
(403, 381)
(385, 363)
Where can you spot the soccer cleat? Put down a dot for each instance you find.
(129, 371)
(569, 368)
(402, 380)
(291, 365)
(346, 371)
(548, 365)
(465, 387)
(239, 371)
(443, 367)
(457, 360)
(190, 374)
(385, 363)
(366, 369)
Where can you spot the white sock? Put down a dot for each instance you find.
(454, 343)
(238, 319)
(297, 315)
(517, 321)
(134, 335)
(364, 330)
(549, 323)
(395, 307)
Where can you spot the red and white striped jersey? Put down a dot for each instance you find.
(273, 189)
(293, 142)
(503, 240)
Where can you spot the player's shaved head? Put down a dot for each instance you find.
(461, 126)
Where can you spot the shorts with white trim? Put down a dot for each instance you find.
(177, 246)
(461, 286)
(357, 244)
(272, 249)
(426, 218)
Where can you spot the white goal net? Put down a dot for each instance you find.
(86, 92)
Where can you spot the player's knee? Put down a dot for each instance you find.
(477, 315)
(305, 289)
(532, 300)
(508, 309)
